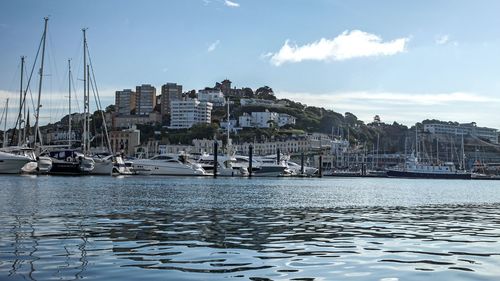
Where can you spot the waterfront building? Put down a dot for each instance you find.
(125, 141)
(470, 129)
(125, 101)
(145, 99)
(169, 93)
(214, 96)
(205, 145)
(186, 113)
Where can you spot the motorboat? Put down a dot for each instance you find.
(168, 165)
(262, 167)
(12, 163)
(37, 165)
(226, 166)
(296, 169)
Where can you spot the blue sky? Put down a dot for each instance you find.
(404, 60)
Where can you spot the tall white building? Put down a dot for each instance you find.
(186, 113)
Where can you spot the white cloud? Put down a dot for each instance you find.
(213, 46)
(442, 39)
(348, 45)
(231, 4)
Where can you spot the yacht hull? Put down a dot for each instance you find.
(406, 174)
(66, 168)
(12, 164)
(165, 170)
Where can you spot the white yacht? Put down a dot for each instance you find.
(37, 165)
(296, 169)
(226, 166)
(261, 166)
(168, 165)
(12, 163)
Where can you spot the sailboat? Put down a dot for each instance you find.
(69, 161)
(21, 152)
(10, 163)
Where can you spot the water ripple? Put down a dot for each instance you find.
(356, 243)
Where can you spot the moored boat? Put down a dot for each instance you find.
(12, 163)
(413, 169)
(167, 165)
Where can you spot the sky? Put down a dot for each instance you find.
(403, 60)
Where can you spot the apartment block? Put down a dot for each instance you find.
(186, 113)
(169, 93)
(125, 102)
(145, 99)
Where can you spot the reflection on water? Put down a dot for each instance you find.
(180, 242)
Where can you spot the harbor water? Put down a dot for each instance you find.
(169, 228)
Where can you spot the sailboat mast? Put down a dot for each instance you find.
(37, 126)
(463, 153)
(69, 103)
(416, 141)
(228, 145)
(5, 124)
(437, 150)
(19, 117)
(85, 104)
(87, 117)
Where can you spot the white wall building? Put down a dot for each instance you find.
(265, 119)
(233, 125)
(186, 113)
(245, 120)
(214, 96)
(285, 119)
